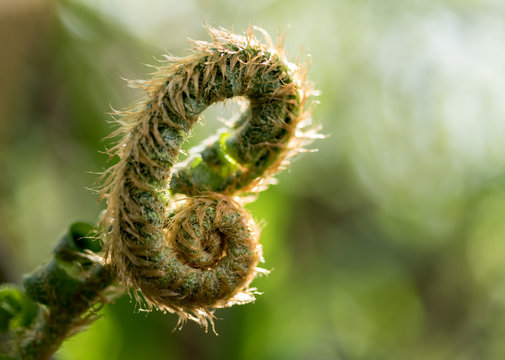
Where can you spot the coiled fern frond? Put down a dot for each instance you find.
(177, 231)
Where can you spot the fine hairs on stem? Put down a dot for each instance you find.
(177, 232)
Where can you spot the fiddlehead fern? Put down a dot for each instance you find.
(200, 252)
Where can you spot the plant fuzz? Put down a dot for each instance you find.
(178, 232)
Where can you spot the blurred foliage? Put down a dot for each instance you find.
(16, 309)
(387, 244)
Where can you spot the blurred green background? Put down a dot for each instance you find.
(386, 244)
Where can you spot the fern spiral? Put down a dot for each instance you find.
(177, 231)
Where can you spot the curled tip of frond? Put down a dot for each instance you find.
(193, 255)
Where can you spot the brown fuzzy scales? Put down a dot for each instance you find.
(202, 253)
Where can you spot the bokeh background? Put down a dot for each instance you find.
(386, 244)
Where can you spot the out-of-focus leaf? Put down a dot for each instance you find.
(16, 309)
